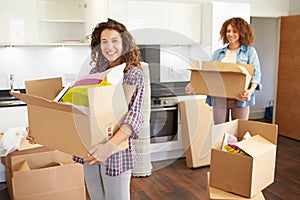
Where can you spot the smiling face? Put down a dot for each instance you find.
(111, 44)
(232, 36)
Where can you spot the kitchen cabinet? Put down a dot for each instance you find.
(18, 21)
(214, 14)
(31, 22)
(60, 20)
(13, 117)
(164, 22)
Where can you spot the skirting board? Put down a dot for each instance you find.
(257, 114)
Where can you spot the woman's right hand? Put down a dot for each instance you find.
(189, 89)
(29, 137)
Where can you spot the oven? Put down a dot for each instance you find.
(163, 119)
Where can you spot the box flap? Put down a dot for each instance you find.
(266, 130)
(247, 69)
(43, 102)
(47, 88)
(194, 64)
(219, 130)
(255, 145)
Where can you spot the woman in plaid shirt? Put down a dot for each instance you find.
(112, 45)
(108, 175)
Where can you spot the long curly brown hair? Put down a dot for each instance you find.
(131, 54)
(243, 27)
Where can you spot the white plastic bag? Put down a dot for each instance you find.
(11, 140)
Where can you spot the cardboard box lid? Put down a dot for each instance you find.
(46, 103)
(247, 69)
(255, 145)
(40, 159)
(239, 127)
(46, 88)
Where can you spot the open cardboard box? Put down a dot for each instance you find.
(220, 79)
(196, 121)
(242, 174)
(69, 128)
(217, 194)
(43, 173)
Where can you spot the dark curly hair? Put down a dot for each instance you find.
(244, 29)
(131, 54)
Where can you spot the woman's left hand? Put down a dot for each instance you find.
(100, 152)
(245, 96)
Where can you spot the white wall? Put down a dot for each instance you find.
(40, 62)
(266, 44)
(294, 7)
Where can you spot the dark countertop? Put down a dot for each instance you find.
(8, 100)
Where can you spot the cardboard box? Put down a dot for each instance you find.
(196, 121)
(217, 194)
(242, 174)
(41, 173)
(220, 79)
(70, 128)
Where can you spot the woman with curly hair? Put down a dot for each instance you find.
(112, 45)
(237, 36)
(108, 174)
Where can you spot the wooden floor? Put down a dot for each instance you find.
(173, 180)
(176, 181)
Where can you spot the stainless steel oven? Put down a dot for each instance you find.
(164, 119)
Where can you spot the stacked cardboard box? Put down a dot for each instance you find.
(43, 173)
(244, 175)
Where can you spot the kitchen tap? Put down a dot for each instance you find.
(11, 81)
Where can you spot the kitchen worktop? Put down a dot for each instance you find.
(8, 100)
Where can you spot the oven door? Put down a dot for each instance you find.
(163, 123)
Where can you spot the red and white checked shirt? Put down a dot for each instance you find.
(126, 159)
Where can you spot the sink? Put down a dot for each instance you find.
(12, 102)
(6, 99)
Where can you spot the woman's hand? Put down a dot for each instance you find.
(100, 152)
(245, 96)
(189, 89)
(29, 137)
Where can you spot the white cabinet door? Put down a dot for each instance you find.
(145, 14)
(18, 21)
(164, 22)
(185, 19)
(13, 117)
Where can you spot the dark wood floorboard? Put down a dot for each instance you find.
(176, 181)
(173, 180)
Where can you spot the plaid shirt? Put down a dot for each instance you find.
(126, 159)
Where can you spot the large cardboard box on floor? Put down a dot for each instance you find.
(217, 194)
(43, 173)
(69, 128)
(245, 175)
(220, 79)
(196, 121)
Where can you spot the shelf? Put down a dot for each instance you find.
(61, 21)
(58, 44)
